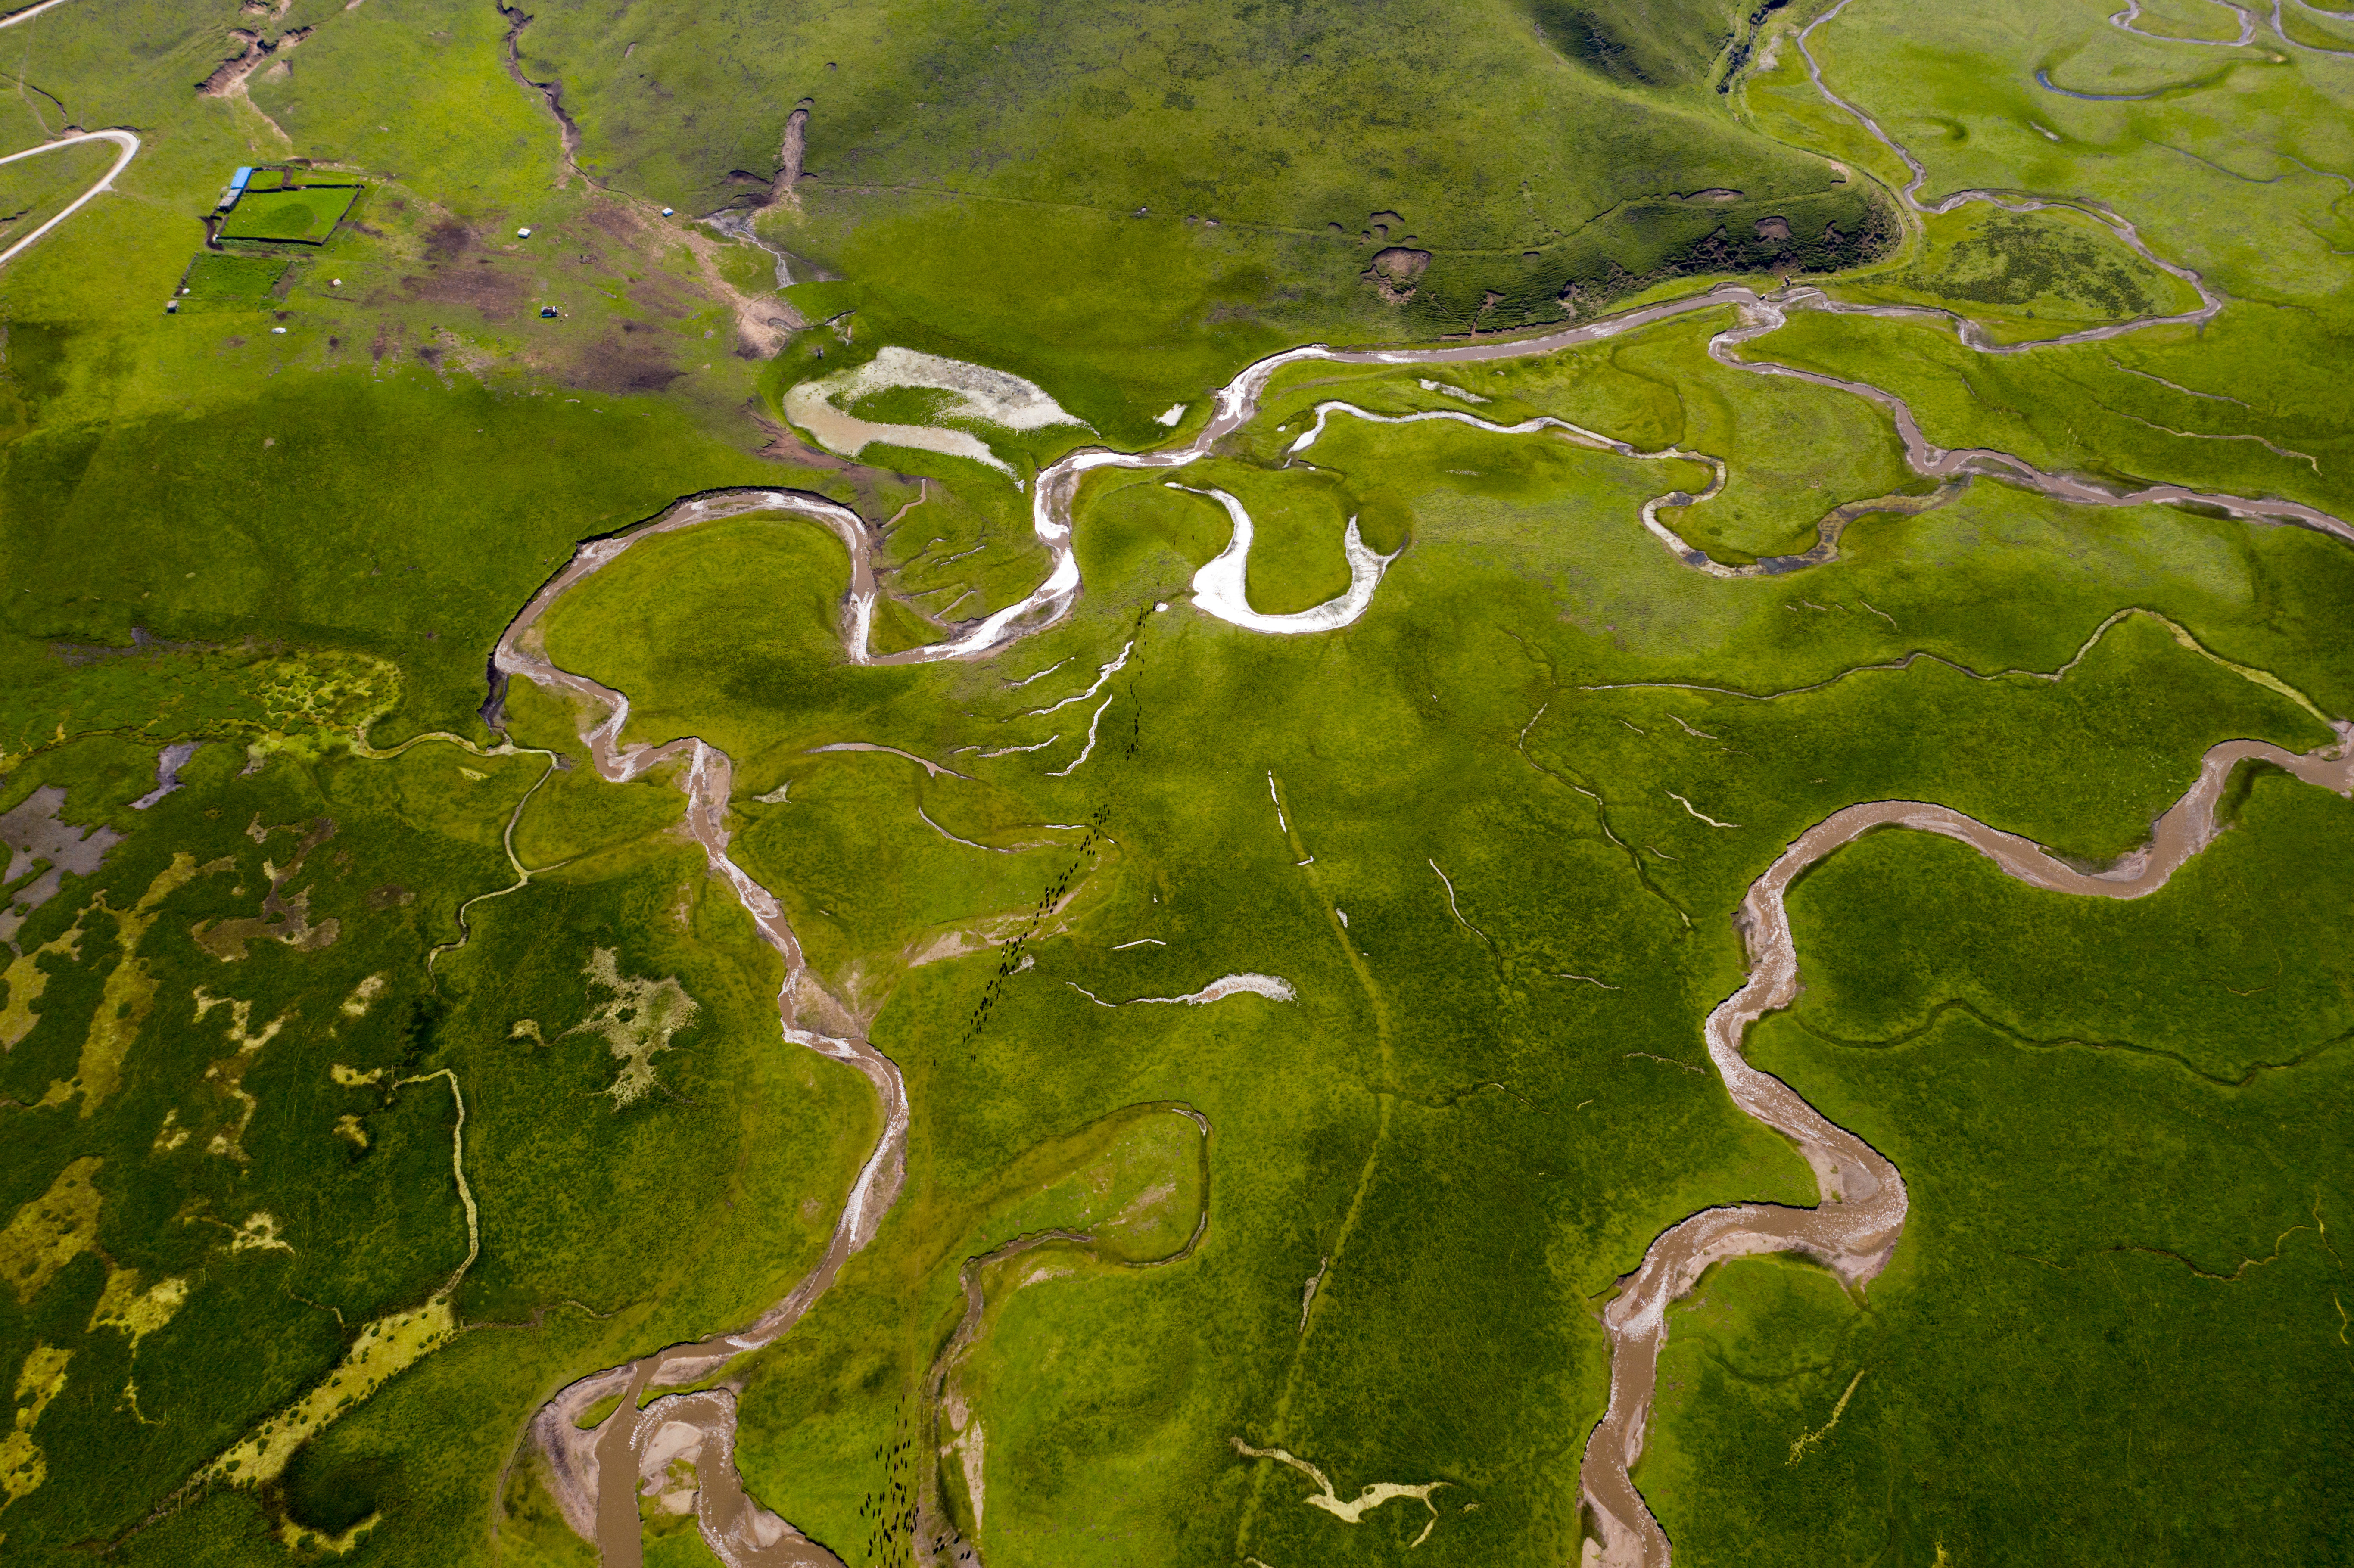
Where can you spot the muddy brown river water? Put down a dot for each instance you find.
(1861, 1216)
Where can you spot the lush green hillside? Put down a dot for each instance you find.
(1194, 164)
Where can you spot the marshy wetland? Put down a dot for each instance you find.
(988, 817)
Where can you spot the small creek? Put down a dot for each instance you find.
(597, 1475)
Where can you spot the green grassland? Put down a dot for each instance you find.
(2188, 20)
(2264, 217)
(1492, 837)
(305, 217)
(373, 1221)
(1793, 450)
(238, 281)
(1552, 557)
(2028, 275)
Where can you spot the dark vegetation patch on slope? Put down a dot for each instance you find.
(1657, 43)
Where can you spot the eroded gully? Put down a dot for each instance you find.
(597, 1475)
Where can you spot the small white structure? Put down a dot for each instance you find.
(523, 234)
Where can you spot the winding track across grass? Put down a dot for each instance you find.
(28, 13)
(126, 140)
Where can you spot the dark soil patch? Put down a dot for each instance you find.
(1393, 272)
(447, 241)
(663, 298)
(617, 220)
(497, 294)
(613, 365)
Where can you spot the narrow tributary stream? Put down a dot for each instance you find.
(597, 1476)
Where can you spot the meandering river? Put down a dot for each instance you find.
(597, 1474)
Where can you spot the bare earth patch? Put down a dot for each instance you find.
(136, 1313)
(637, 1020)
(22, 1468)
(975, 393)
(1353, 1511)
(25, 981)
(129, 993)
(389, 1346)
(1393, 272)
(228, 1074)
(284, 917)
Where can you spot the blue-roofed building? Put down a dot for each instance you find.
(236, 188)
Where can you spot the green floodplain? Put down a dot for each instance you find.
(1300, 1035)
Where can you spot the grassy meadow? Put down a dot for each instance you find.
(1491, 839)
